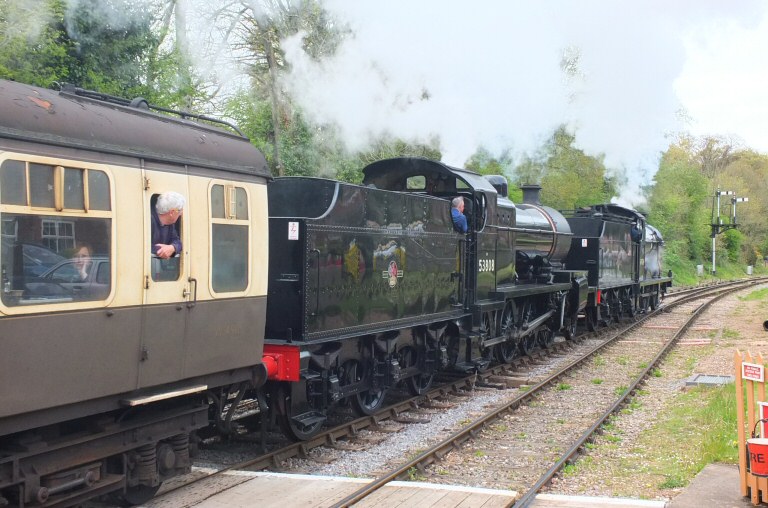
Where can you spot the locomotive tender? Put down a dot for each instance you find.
(334, 294)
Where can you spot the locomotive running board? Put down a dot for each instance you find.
(162, 396)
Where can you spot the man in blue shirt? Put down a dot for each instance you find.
(457, 214)
(165, 238)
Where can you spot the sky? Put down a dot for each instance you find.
(490, 73)
(724, 79)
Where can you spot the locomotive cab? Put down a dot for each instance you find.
(653, 252)
(478, 247)
(508, 253)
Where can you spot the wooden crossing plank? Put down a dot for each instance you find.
(243, 489)
(389, 496)
(478, 501)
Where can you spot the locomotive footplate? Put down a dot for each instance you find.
(503, 292)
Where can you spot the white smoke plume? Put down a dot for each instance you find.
(490, 73)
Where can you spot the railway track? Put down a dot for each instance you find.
(342, 436)
(577, 380)
(675, 293)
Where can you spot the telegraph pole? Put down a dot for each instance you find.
(721, 223)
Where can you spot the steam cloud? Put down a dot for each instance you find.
(492, 75)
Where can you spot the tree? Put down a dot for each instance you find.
(110, 46)
(569, 178)
(256, 29)
(713, 154)
(680, 202)
(732, 240)
(34, 46)
(483, 162)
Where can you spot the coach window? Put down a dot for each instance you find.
(230, 233)
(56, 234)
(168, 269)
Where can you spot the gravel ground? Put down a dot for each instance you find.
(492, 460)
(414, 438)
(707, 348)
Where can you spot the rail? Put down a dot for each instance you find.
(579, 444)
(441, 449)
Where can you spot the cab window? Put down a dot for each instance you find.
(230, 235)
(416, 183)
(56, 234)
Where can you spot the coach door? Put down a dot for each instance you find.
(166, 289)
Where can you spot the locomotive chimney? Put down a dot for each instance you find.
(531, 194)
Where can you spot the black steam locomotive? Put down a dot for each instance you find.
(371, 286)
(112, 359)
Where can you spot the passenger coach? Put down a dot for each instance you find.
(103, 379)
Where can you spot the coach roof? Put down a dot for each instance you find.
(65, 118)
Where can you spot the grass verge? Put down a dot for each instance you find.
(697, 428)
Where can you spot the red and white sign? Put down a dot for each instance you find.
(752, 372)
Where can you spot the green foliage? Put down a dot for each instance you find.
(35, 49)
(733, 239)
(681, 206)
(679, 449)
(386, 147)
(110, 43)
(759, 294)
(105, 45)
(299, 151)
(672, 482)
(483, 162)
(414, 475)
(569, 178)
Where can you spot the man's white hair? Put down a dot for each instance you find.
(168, 201)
